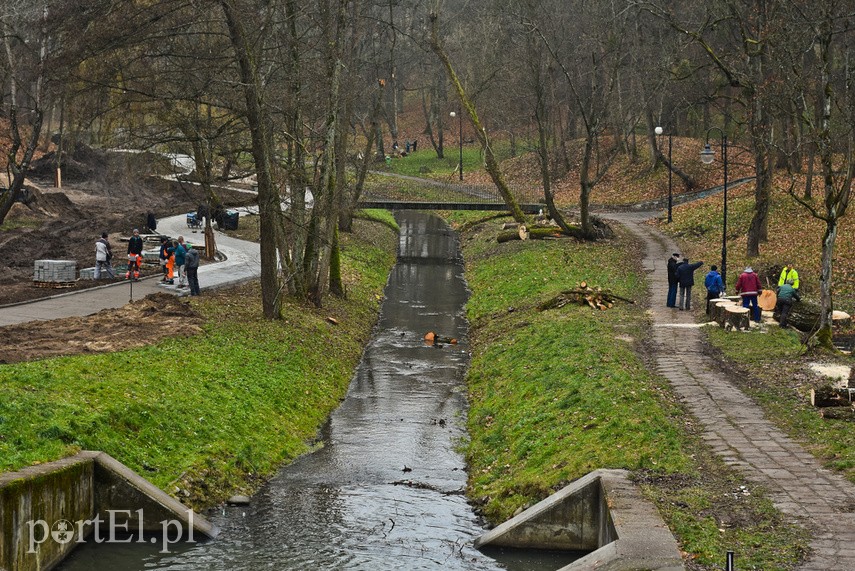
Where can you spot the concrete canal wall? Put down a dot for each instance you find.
(47, 510)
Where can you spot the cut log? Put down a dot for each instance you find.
(510, 225)
(767, 300)
(717, 309)
(735, 317)
(841, 318)
(827, 395)
(530, 233)
(838, 413)
(804, 316)
(523, 232)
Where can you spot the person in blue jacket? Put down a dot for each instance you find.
(686, 279)
(714, 285)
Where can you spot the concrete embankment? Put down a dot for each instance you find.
(48, 509)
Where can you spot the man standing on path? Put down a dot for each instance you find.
(714, 285)
(748, 287)
(103, 257)
(673, 261)
(192, 263)
(686, 279)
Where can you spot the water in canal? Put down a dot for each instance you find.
(386, 489)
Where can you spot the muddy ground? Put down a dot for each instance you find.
(102, 192)
(137, 324)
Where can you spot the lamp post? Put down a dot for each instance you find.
(459, 116)
(659, 131)
(707, 157)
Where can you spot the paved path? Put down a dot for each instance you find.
(242, 263)
(735, 428)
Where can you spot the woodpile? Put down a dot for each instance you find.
(730, 314)
(595, 298)
(833, 403)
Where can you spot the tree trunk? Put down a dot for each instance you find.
(491, 165)
(262, 152)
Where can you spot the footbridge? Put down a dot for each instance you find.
(398, 192)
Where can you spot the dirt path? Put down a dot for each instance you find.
(735, 427)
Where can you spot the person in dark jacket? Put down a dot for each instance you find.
(672, 280)
(714, 285)
(686, 279)
(135, 256)
(787, 295)
(191, 261)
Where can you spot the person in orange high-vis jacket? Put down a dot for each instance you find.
(170, 267)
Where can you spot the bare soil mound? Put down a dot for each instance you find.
(102, 191)
(136, 324)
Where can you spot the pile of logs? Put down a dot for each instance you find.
(595, 298)
(730, 314)
(835, 402)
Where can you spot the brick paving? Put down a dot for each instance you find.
(735, 428)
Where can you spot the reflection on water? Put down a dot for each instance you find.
(386, 489)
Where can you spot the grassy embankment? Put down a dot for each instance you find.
(212, 414)
(559, 393)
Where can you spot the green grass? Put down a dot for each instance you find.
(15, 223)
(424, 162)
(213, 412)
(557, 394)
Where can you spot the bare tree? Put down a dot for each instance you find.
(491, 164)
(832, 130)
(26, 54)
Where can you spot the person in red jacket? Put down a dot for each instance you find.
(748, 287)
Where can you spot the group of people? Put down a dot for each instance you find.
(181, 257)
(176, 255)
(681, 276)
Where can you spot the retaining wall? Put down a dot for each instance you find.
(47, 510)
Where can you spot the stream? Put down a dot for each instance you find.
(385, 489)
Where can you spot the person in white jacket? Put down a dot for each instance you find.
(103, 257)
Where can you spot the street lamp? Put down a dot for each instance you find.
(659, 131)
(707, 157)
(459, 116)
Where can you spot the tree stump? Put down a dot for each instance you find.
(735, 317)
(717, 309)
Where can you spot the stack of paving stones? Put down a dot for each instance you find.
(55, 271)
(87, 273)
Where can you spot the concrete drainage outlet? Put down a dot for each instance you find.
(602, 513)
